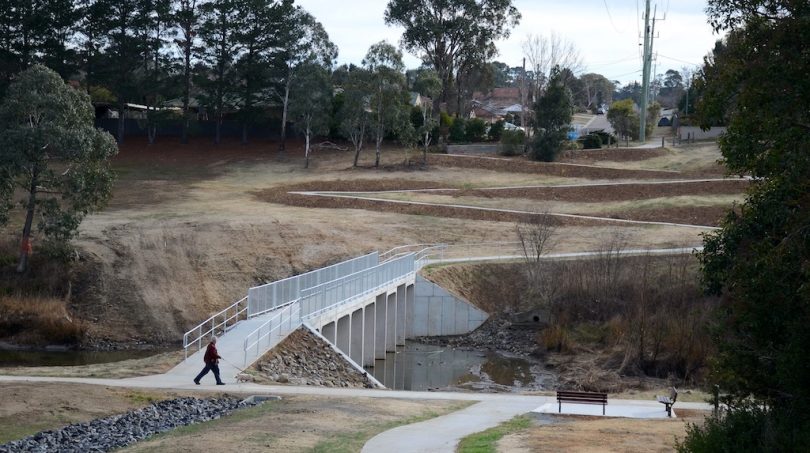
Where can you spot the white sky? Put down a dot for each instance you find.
(608, 47)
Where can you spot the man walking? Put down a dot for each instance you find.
(211, 362)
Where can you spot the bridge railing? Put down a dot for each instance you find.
(329, 295)
(264, 298)
(284, 321)
(215, 325)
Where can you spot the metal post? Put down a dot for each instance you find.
(645, 81)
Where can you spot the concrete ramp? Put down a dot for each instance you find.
(231, 347)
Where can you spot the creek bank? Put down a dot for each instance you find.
(109, 433)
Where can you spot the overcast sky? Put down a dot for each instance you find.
(609, 42)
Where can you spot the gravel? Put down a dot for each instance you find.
(109, 433)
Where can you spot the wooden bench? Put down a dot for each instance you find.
(581, 398)
(668, 401)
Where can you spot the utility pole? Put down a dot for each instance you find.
(523, 96)
(649, 37)
(645, 81)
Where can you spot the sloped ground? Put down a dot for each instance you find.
(185, 234)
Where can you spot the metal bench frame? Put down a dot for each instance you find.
(581, 398)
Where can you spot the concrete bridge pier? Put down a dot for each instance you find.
(401, 315)
(328, 331)
(357, 334)
(391, 324)
(369, 334)
(344, 334)
(381, 308)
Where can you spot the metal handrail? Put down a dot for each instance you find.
(393, 253)
(280, 317)
(214, 325)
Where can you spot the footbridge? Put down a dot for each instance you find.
(363, 307)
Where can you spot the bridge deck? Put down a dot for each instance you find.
(230, 346)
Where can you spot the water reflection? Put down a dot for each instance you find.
(423, 367)
(69, 358)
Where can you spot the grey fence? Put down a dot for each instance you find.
(264, 298)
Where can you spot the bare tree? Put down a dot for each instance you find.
(544, 53)
(536, 238)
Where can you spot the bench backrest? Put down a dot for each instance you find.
(582, 396)
(673, 394)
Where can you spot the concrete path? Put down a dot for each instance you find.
(440, 434)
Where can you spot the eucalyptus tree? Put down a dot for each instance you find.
(302, 41)
(387, 92)
(355, 114)
(311, 105)
(427, 84)
(53, 153)
(219, 30)
(452, 34)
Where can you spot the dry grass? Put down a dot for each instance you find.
(41, 320)
(148, 366)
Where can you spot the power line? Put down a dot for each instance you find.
(611, 18)
(678, 60)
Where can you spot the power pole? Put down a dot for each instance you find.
(523, 96)
(649, 37)
(645, 77)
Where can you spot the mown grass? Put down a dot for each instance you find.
(486, 441)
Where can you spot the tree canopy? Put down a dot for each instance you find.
(756, 82)
(53, 153)
(452, 35)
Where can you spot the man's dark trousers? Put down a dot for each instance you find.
(209, 367)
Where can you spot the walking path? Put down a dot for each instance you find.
(440, 434)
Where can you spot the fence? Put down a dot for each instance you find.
(215, 325)
(262, 299)
(334, 293)
(282, 323)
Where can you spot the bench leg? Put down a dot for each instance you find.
(669, 410)
(559, 409)
(603, 409)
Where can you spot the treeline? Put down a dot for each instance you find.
(181, 59)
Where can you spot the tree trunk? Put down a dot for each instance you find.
(306, 149)
(356, 154)
(121, 124)
(218, 134)
(244, 134)
(379, 151)
(282, 144)
(186, 94)
(25, 246)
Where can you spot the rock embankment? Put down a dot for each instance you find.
(109, 433)
(498, 333)
(305, 359)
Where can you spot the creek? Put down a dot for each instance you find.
(422, 367)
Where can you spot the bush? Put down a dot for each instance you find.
(591, 141)
(750, 428)
(607, 139)
(476, 130)
(512, 142)
(458, 130)
(496, 131)
(546, 147)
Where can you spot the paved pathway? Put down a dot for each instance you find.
(440, 434)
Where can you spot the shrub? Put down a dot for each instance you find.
(458, 130)
(591, 141)
(546, 147)
(512, 142)
(496, 131)
(555, 338)
(475, 130)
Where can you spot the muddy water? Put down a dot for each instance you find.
(68, 358)
(421, 367)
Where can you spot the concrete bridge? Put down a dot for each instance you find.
(364, 307)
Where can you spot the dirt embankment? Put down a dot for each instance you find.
(523, 165)
(589, 156)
